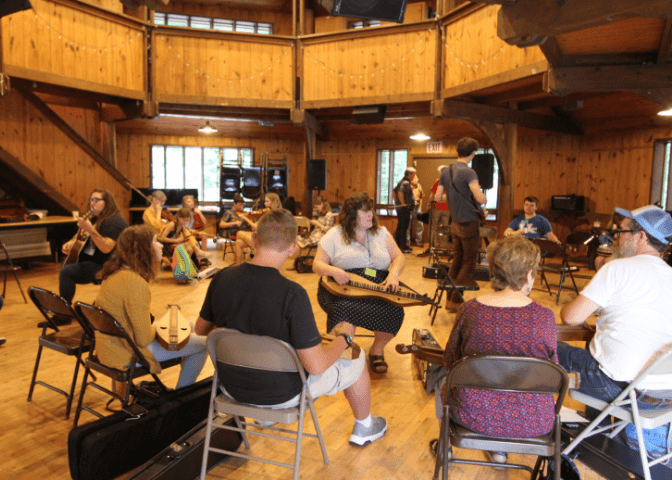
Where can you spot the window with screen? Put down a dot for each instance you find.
(391, 167)
(208, 23)
(661, 187)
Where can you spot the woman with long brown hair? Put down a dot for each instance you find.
(361, 246)
(125, 295)
(103, 228)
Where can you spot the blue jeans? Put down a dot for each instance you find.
(594, 382)
(77, 273)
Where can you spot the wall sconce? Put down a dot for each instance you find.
(207, 128)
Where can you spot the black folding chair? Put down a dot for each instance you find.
(551, 249)
(9, 267)
(445, 283)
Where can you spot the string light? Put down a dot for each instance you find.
(471, 63)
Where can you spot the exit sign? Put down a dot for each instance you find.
(434, 147)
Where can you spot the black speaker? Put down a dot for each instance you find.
(368, 115)
(7, 7)
(484, 166)
(317, 175)
(252, 182)
(229, 184)
(388, 10)
(276, 181)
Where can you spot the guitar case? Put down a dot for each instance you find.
(182, 459)
(113, 445)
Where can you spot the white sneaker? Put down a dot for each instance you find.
(497, 457)
(362, 436)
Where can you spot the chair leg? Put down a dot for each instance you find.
(640, 436)
(68, 405)
(299, 435)
(208, 430)
(20, 288)
(78, 410)
(318, 431)
(442, 447)
(562, 280)
(32, 382)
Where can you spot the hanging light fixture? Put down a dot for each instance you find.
(666, 113)
(207, 128)
(419, 137)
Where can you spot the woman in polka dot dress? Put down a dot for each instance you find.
(360, 245)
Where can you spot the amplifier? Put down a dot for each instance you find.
(427, 372)
(432, 271)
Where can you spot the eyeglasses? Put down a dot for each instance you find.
(95, 200)
(618, 231)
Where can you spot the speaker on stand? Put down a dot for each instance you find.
(317, 175)
(484, 166)
(252, 182)
(229, 184)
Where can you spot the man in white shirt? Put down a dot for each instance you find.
(632, 296)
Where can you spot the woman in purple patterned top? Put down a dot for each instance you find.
(505, 322)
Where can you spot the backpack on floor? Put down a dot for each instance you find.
(658, 441)
(183, 267)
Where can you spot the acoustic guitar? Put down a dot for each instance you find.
(360, 287)
(173, 330)
(80, 241)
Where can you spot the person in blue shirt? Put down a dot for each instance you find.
(530, 224)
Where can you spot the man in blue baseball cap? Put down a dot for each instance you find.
(632, 296)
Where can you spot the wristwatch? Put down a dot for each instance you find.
(348, 339)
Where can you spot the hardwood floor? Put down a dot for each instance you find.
(34, 435)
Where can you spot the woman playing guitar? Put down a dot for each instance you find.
(101, 231)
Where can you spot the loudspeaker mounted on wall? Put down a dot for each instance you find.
(387, 10)
(252, 182)
(7, 7)
(317, 175)
(368, 115)
(484, 166)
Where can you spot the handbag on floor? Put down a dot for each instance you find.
(183, 268)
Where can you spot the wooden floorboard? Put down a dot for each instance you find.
(33, 436)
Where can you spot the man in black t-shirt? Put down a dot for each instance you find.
(254, 298)
(103, 228)
(403, 197)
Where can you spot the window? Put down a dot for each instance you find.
(660, 178)
(364, 23)
(222, 24)
(391, 167)
(176, 166)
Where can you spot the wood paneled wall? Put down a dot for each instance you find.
(66, 42)
(222, 68)
(39, 145)
(473, 51)
(282, 22)
(133, 155)
(354, 68)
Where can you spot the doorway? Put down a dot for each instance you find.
(427, 171)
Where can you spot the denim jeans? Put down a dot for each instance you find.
(75, 274)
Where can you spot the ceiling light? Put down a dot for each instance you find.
(419, 137)
(207, 128)
(666, 113)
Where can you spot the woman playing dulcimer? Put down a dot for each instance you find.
(244, 238)
(177, 232)
(125, 295)
(361, 246)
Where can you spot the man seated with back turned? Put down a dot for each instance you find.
(633, 297)
(530, 224)
(254, 298)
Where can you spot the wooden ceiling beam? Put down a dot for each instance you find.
(306, 119)
(123, 111)
(531, 22)
(475, 112)
(665, 43)
(662, 96)
(566, 80)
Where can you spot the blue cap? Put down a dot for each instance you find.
(654, 220)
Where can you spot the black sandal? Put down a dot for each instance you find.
(377, 363)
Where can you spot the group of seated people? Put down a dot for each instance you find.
(632, 294)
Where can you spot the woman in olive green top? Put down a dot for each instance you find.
(125, 294)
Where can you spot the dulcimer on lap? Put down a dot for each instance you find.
(173, 330)
(360, 287)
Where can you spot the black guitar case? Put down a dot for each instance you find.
(111, 446)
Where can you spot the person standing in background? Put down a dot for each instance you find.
(403, 199)
(418, 195)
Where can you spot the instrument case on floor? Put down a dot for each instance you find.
(109, 447)
(182, 459)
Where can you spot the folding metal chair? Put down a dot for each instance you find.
(551, 249)
(72, 341)
(102, 323)
(10, 267)
(624, 408)
(230, 347)
(505, 374)
(446, 284)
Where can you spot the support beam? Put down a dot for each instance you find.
(124, 111)
(530, 22)
(301, 117)
(478, 112)
(665, 43)
(565, 80)
(551, 50)
(662, 96)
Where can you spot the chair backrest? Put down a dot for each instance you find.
(48, 303)
(232, 347)
(577, 238)
(509, 374)
(660, 364)
(102, 322)
(487, 232)
(549, 247)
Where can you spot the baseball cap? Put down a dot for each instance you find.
(654, 220)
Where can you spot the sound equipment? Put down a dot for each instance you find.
(360, 287)
(182, 458)
(113, 445)
(317, 175)
(229, 184)
(428, 372)
(482, 274)
(484, 166)
(7, 7)
(252, 182)
(368, 115)
(387, 10)
(568, 203)
(432, 271)
(276, 181)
